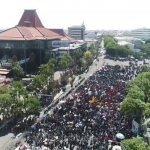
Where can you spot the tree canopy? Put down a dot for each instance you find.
(145, 48)
(132, 107)
(136, 144)
(17, 70)
(16, 101)
(137, 102)
(114, 49)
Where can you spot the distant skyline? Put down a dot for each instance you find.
(96, 14)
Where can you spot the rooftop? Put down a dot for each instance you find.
(77, 26)
(71, 47)
(29, 28)
(124, 43)
(31, 19)
(90, 40)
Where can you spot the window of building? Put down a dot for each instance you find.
(37, 45)
(17, 45)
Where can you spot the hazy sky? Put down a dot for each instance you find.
(97, 14)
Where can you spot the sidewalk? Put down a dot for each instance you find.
(5, 141)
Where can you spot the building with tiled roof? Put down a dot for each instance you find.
(28, 36)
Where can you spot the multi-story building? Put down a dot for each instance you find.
(141, 33)
(77, 32)
(29, 36)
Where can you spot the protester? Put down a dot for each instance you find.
(89, 117)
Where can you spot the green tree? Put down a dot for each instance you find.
(108, 39)
(83, 63)
(88, 57)
(17, 90)
(4, 90)
(31, 105)
(145, 68)
(5, 103)
(114, 49)
(147, 110)
(77, 55)
(17, 71)
(146, 49)
(143, 82)
(39, 82)
(136, 144)
(132, 107)
(136, 93)
(111, 49)
(52, 61)
(18, 94)
(45, 69)
(65, 61)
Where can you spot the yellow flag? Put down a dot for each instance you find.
(94, 100)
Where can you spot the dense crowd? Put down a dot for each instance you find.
(89, 117)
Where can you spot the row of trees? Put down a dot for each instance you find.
(137, 105)
(137, 102)
(75, 62)
(114, 49)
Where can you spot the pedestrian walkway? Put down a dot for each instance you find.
(6, 140)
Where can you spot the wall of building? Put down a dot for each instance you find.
(143, 33)
(76, 33)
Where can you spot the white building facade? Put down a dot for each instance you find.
(142, 33)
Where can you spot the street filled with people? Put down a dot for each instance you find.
(89, 117)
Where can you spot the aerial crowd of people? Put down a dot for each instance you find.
(89, 117)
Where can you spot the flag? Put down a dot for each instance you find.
(94, 100)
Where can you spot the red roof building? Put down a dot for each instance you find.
(29, 35)
(29, 28)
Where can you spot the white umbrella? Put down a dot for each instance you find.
(120, 136)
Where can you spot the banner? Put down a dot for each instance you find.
(135, 127)
(60, 44)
